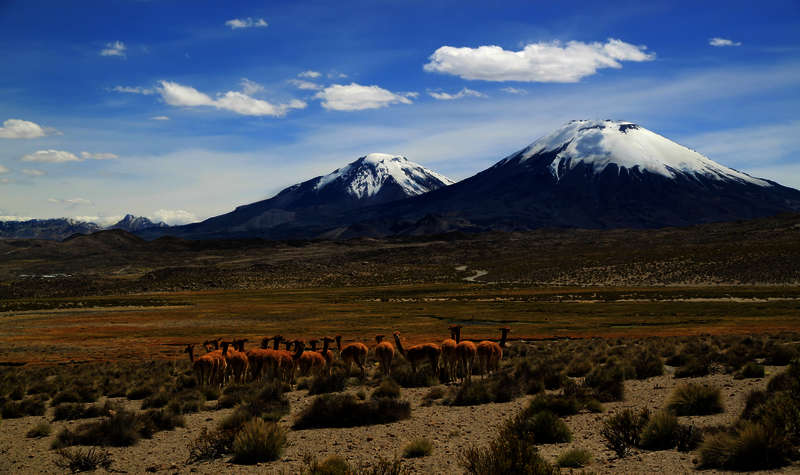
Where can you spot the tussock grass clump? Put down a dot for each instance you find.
(210, 445)
(695, 367)
(750, 447)
(387, 389)
(432, 395)
(423, 378)
(622, 430)
(559, 405)
(574, 458)
(660, 432)
(40, 430)
(186, 402)
(779, 355)
(122, 429)
(695, 400)
(80, 460)
(328, 383)
(344, 410)
(750, 370)
(140, 392)
(156, 400)
(418, 448)
(258, 441)
(607, 383)
(500, 387)
(547, 428)
(648, 365)
(336, 465)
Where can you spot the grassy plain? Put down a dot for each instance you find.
(158, 324)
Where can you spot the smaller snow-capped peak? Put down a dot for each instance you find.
(599, 143)
(366, 176)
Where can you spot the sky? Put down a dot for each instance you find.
(183, 110)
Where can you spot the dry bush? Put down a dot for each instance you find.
(418, 448)
(344, 410)
(258, 441)
(622, 430)
(574, 458)
(695, 400)
(80, 460)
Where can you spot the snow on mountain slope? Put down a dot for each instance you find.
(366, 176)
(599, 143)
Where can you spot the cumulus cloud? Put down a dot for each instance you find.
(173, 217)
(465, 92)
(98, 156)
(15, 218)
(355, 97)
(134, 90)
(309, 74)
(21, 129)
(117, 48)
(238, 23)
(159, 117)
(723, 42)
(33, 172)
(50, 156)
(536, 62)
(251, 87)
(179, 95)
(3, 169)
(306, 85)
(514, 90)
(71, 202)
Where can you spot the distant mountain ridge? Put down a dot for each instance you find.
(62, 228)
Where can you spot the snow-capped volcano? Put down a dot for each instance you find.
(597, 144)
(324, 201)
(368, 175)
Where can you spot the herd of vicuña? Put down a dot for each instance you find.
(228, 361)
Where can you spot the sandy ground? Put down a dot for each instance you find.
(450, 429)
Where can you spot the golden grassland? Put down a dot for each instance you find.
(156, 324)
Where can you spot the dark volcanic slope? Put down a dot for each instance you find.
(592, 174)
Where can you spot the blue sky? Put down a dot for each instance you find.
(180, 110)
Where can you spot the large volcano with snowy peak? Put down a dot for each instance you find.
(310, 207)
(596, 174)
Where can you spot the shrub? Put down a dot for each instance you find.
(579, 367)
(507, 453)
(122, 429)
(695, 400)
(41, 429)
(648, 365)
(80, 460)
(328, 383)
(750, 370)
(27, 407)
(333, 465)
(432, 395)
(660, 432)
(388, 389)
(156, 400)
(140, 392)
(751, 447)
(607, 383)
(258, 441)
(688, 438)
(574, 458)
(186, 402)
(210, 445)
(418, 448)
(75, 410)
(344, 410)
(403, 375)
(559, 405)
(779, 355)
(82, 394)
(547, 428)
(694, 368)
(622, 430)
(156, 420)
(471, 393)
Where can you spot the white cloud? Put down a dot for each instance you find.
(746, 147)
(443, 96)
(306, 85)
(72, 202)
(33, 172)
(309, 74)
(21, 129)
(159, 117)
(99, 220)
(173, 216)
(98, 156)
(4, 169)
(134, 90)
(514, 90)
(238, 23)
(723, 42)
(50, 156)
(354, 97)
(250, 87)
(117, 48)
(15, 218)
(536, 62)
(178, 95)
